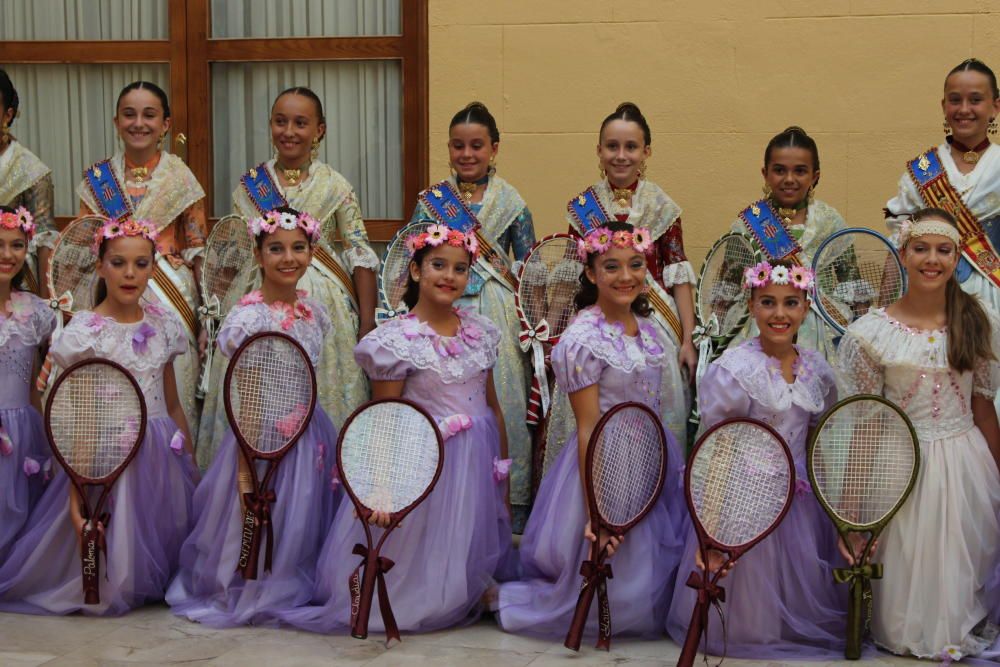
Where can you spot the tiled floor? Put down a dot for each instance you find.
(152, 636)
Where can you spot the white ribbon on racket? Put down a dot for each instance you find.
(383, 315)
(532, 339)
(62, 304)
(210, 314)
(703, 339)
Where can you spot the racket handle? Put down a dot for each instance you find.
(249, 545)
(360, 629)
(690, 651)
(579, 622)
(90, 558)
(855, 600)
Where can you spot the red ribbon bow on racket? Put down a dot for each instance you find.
(382, 565)
(708, 591)
(595, 577)
(259, 505)
(532, 339)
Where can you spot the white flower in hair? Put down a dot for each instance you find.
(779, 275)
(288, 221)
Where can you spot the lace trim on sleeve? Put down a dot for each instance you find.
(360, 257)
(30, 320)
(858, 369)
(681, 273)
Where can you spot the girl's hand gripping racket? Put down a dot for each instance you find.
(390, 455)
(625, 466)
(225, 277)
(95, 418)
(863, 462)
(270, 393)
(739, 483)
(547, 283)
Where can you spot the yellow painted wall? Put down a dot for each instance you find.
(716, 79)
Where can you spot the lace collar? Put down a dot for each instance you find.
(27, 317)
(608, 341)
(761, 377)
(283, 314)
(471, 350)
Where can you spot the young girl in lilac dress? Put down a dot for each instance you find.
(781, 599)
(208, 588)
(610, 353)
(151, 502)
(449, 549)
(25, 323)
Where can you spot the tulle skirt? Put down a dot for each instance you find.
(553, 547)
(781, 600)
(21, 486)
(208, 589)
(150, 511)
(447, 552)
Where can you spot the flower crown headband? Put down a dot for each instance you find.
(436, 235)
(600, 239)
(273, 220)
(19, 219)
(764, 274)
(119, 227)
(911, 230)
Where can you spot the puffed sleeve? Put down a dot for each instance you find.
(358, 251)
(74, 342)
(378, 361)
(677, 270)
(38, 199)
(902, 206)
(195, 229)
(828, 384)
(240, 324)
(43, 321)
(721, 397)
(176, 338)
(986, 375)
(522, 235)
(857, 369)
(576, 366)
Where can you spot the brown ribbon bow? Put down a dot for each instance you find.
(382, 565)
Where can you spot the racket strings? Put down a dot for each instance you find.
(863, 461)
(390, 455)
(855, 272)
(720, 290)
(549, 283)
(627, 464)
(740, 481)
(272, 393)
(73, 261)
(95, 420)
(228, 252)
(396, 266)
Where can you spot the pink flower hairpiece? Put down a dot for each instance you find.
(275, 220)
(21, 219)
(437, 235)
(124, 226)
(764, 274)
(601, 239)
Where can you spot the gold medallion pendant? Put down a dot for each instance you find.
(622, 196)
(139, 174)
(467, 190)
(292, 175)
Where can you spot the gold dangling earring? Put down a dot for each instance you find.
(947, 128)
(159, 142)
(991, 129)
(600, 170)
(811, 195)
(4, 134)
(493, 166)
(314, 151)
(767, 191)
(642, 171)
(454, 172)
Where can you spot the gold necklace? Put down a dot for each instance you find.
(467, 190)
(622, 196)
(293, 176)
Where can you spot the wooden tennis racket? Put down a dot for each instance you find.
(225, 277)
(547, 283)
(863, 461)
(739, 483)
(95, 418)
(856, 269)
(626, 464)
(390, 455)
(270, 393)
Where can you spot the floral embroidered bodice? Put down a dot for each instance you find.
(26, 321)
(306, 321)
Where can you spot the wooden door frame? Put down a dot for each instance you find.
(190, 58)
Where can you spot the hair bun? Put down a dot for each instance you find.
(795, 129)
(475, 104)
(628, 106)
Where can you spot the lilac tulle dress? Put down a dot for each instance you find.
(25, 462)
(207, 588)
(781, 600)
(150, 503)
(450, 549)
(593, 350)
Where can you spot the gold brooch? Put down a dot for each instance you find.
(923, 163)
(581, 200)
(253, 173)
(755, 210)
(436, 193)
(97, 172)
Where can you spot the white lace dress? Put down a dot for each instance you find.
(940, 550)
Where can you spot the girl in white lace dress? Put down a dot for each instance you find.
(934, 353)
